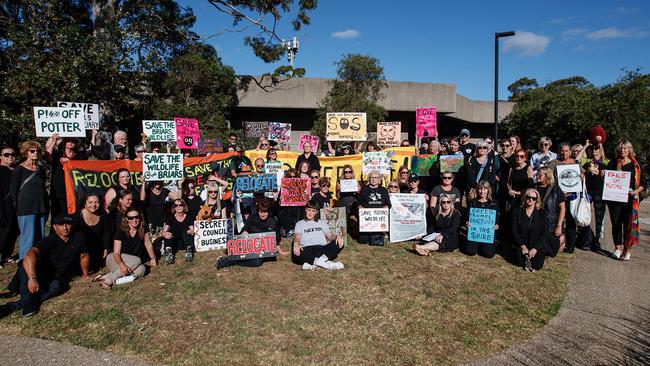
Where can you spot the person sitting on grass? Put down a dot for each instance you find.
(47, 268)
(483, 200)
(446, 225)
(314, 245)
(178, 233)
(530, 232)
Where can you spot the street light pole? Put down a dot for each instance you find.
(497, 35)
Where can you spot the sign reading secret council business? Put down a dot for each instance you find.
(162, 166)
(212, 234)
(67, 122)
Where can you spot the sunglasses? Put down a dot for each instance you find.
(259, 166)
(265, 145)
(325, 185)
(393, 186)
(403, 172)
(347, 171)
(446, 178)
(139, 151)
(315, 177)
(131, 218)
(482, 147)
(504, 145)
(521, 156)
(212, 191)
(445, 202)
(178, 205)
(34, 151)
(273, 153)
(6, 155)
(531, 198)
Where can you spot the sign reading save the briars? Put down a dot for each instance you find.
(250, 246)
(616, 185)
(159, 131)
(481, 225)
(210, 235)
(91, 113)
(162, 166)
(67, 122)
(373, 220)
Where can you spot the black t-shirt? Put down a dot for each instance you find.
(323, 201)
(156, 207)
(374, 197)
(57, 258)
(193, 205)
(313, 161)
(467, 150)
(177, 228)
(256, 225)
(132, 245)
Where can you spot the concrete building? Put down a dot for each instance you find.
(296, 100)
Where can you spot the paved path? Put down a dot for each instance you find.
(605, 317)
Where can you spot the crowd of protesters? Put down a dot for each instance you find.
(117, 236)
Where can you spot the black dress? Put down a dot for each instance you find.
(98, 238)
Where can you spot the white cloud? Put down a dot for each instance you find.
(527, 43)
(561, 20)
(621, 10)
(346, 34)
(572, 33)
(613, 32)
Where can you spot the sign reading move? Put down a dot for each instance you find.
(162, 166)
(344, 126)
(425, 122)
(67, 122)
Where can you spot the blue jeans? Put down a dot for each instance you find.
(31, 302)
(32, 229)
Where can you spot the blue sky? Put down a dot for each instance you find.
(453, 41)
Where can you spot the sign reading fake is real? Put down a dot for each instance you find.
(344, 126)
(162, 166)
(67, 122)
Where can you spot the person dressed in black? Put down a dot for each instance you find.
(93, 223)
(323, 196)
(483, 200)
(47, 268)
(529, 232)
(239, 161)
(178, 233)
(155, 201)
(373, 196)
(465, 146)
(480, 167)
(192, 200)
(58, 151)
(123, 177)
(553, 201)
(308, 156)
(446, 226)
(8, 221)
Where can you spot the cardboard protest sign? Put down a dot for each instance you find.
(407, 216)
(344, 126)
(295, 191)
(616, 185)
(376, 160)
(210, 146)
(255, 130)
(274, 167)
(159, 131)
(451, 163)
(481, 225)
(280, 132)
(349, 185)
(373, 220)
(162, 166)
(313, 140)
(211, 235)
(67, 122)
(187, 133)
(256, 183)
(389, 133)
(425, 122)
(421, 164)
(249, 246)
(337, 221)
(90, 112)
(568, 178)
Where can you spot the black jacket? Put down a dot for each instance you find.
(530, 231)
(489, 173)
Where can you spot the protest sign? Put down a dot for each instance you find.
(421, 164)
(280, 132)
(336, 219)
(187, 133)
(375, 161)
(67, 122)
(250, 246)
(162, 166)
(373, 220)
(209, 146)
(159, 131)
(616, 185)
(568, 178)
(255, 130)
(344, 126)
(425, 122)
(90, 112)
(349, 185)
(256, 183)
(295, 191)
(451, 163)
(481, 225)
(274, 167)
(313, 140)
(211, 235)
(389, 133)
(407, 216)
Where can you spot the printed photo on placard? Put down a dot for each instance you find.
(568, 178)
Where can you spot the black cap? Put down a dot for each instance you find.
(413, 177)
(61, 219)
(119, 148)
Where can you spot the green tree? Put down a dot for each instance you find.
(357, 88)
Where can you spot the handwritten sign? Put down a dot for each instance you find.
(280, 132)
(255, 130)
(67, 122)
(275, 167)
(616, 185)
(295, 191)
(349, 185)
(162, 166)
(159, 131)
(250, 246)
(211, 235)
(389, 134)
(375, 161)
(90, 112)
(373, 220)
(451, 163)
(336, 219)
(256, 183)
(210, 146)
(481, 225)
(187, 133)
(407, 216)
(568, 178)
(421, 164)
(425, 122)
(344, 126)
(313, 140)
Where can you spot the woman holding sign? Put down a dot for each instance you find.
(483, 200)
(314, 244)
(373, 196)
(625, 215)
(529, 232)
(446, 226)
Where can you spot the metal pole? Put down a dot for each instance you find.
(496, 89)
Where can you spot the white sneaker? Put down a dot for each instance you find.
(626, 257)
(308, 267)
(616, 254)
(323, 262)
(337, 265)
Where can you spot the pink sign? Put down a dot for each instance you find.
(295, 191)
(187, 133)
(309, 138)
(425, 122)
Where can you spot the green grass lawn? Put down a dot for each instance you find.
(388, 306)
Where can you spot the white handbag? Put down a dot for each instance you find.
(580, 207)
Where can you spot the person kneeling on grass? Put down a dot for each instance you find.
(47, 268)
(530, 232)
(446, 226)
(314, 245)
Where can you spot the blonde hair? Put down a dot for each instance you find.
(453, 207)
(548, 173)
(619, 148)
(538, 203)
(484, 184)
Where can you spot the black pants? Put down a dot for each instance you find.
(371, 238)
(309, 253)
(179, 243)
(31, 302)
(537, 262)
(570, 230)
(8, 236)
(619, 213)
(553, 244)
(599, 210)
(483, 249)
(255, 262)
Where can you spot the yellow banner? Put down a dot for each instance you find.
(344, 126)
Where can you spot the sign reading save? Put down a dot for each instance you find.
(67, 122)
(162, 166)
(159, 131)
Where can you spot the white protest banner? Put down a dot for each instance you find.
(373, 220)
(344, 126)
(616, 186)
(376, 160)
(280, 132)
(91, 113)
(67, 122)
(389, 134)
(481, 225)
(162, 166)
(349, 185)
(336, 219)
(407, 216)
(255, 130)
(211, 235)
(568, 178)
(274, 167)
(159, 131)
